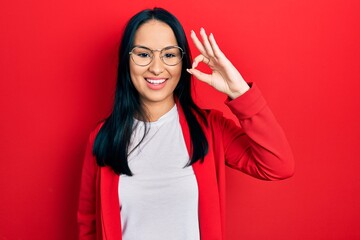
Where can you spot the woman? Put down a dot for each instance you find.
(154, 169)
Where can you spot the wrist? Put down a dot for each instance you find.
(240, 92)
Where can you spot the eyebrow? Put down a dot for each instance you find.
(170, 46)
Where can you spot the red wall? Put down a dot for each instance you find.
(57, 73)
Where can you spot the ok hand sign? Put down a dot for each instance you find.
(224, 77)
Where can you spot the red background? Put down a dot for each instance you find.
(57, 75)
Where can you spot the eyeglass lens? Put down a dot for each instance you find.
(143, 56)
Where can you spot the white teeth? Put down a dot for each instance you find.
(156, 82)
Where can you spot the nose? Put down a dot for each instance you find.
(156, 66)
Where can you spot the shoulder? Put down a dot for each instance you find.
(95, 131)
(213, 116)
(212, 113)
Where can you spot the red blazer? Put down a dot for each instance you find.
(258, 148)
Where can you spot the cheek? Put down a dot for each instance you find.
(135, 73)
(177, 71)
(132, 70)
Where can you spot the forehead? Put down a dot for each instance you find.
(155, 34)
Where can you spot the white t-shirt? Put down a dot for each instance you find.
(160, 201)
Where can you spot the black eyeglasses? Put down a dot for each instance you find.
(143, 56)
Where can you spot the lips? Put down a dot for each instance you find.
(156, 83)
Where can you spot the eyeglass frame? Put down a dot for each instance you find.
(156, 50)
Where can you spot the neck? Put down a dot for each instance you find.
(156, 110)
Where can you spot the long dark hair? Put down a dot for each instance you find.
(112, 142)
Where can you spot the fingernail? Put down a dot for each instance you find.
(188, 70)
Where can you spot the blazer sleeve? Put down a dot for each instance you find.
(259, 147)
(86, 214)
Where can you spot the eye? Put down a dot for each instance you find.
(143, 54)
(169, 55)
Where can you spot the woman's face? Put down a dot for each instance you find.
(155, 82)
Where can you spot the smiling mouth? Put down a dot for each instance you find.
(155, 81)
